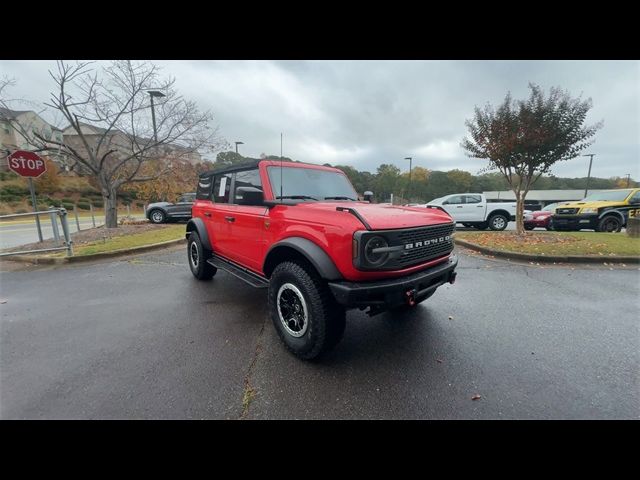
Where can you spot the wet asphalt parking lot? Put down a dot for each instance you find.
(139, 337)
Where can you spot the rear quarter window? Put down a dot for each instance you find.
(204, 188)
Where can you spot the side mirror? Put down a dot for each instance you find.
(249, 196)
(368, 196)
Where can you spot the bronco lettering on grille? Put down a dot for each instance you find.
(426, 243)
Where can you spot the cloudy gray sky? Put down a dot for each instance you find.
(364, 113)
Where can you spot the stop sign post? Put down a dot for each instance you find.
(30, 165)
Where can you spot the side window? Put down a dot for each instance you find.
(221, 188)
(455, 200)
(204, 188)
(472, 199)
(247, 181)
(635, 199)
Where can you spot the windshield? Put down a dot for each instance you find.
(311, 184)
(610, 196)
(550, 207)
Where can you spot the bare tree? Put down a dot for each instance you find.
(111, 136)
(524, 139)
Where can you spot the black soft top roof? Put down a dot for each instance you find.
(233, 168)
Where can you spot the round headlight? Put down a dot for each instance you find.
(377, 258)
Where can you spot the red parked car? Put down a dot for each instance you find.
(541, 218)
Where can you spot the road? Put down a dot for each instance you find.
(14, 234)
(140, 338)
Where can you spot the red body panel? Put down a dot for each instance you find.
(247, 239)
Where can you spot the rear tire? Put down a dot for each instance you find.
(498, 222)
(197, 258)
(308, 320)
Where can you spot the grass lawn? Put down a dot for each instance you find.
(172, 232)
(557, 243)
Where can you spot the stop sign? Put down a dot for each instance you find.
(26, 164)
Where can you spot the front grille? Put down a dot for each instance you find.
(413, 246)
(420, 254)
(566, 211)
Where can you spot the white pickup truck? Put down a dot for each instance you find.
(472, 210)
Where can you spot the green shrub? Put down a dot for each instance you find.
(88, 192)
(8, 175)
(55, 202)
(14, 190)
(10, 198)
(98, 204)
(68, 206)
(21, 210)
(83, 206)
(139, 204)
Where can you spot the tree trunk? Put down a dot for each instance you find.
(109, 199)
(519, 213)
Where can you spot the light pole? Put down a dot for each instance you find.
(409, 189)
(628, 178)
(586, 189)
(238, 143)
(154, 93)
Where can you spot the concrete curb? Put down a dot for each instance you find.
(529, 257)
(96, 256)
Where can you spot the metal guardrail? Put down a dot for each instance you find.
(53, 213)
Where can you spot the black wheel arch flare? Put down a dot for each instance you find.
(312, 252)
(197, 225)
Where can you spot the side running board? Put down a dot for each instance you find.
(242, 273)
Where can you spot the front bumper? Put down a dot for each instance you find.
(384, 294)
(575, 222)
(535, 223)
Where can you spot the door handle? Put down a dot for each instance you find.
(230, 219)
(459, 206)
(207, 214)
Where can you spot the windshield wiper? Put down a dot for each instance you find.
(340, 198)
(298, 197)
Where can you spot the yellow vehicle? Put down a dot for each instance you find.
(605, 211)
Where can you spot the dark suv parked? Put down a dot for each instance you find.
(162, 212)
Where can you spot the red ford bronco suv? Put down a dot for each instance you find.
(298, 230)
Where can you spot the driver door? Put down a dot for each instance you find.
(454, 207)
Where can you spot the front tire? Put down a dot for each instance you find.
(610, 224)
(498, 222)
(157, 216)
(304, 313)
(197, 256)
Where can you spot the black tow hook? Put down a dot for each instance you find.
(411, 297)
(452, 277)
